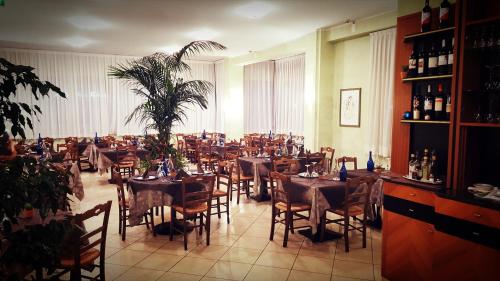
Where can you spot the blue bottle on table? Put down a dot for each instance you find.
(343, 172)
(38, 147)
(203, 135)
(370, 165)
(96, 139)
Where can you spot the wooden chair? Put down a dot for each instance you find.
(70, 139)
(206, 158)
(356, 203)
(191, 144)
(194, 204)
(329, 153)
(251, 151)
(242, 182)
(353, 160)
(225, 171)
(49, 142)
(85, 252)
(126, 163)
(123, 207)
(317, 157)
(281, 204)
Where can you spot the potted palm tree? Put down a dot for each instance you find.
(157, 78)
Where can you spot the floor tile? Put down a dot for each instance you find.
(174, 276)
(276, 260)
(261, 273)
(196, 266)
(127, 257)
(277, 246)
(159, 261)
(173, 248)
(229, 270)
(149, 246)
(243, 255)
(297, 275)
(135, 274)
(209, 252)
(258, 243)
(353, 269)
(357, 255)
(313, 264)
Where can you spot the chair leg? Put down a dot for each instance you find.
(364, 231)
(227, 209)
(201, 224)
(120, 220)
(218, 207)
(287, 228)
(322, 226)
(146, 220)
(184, 228)
(238, 194)
(291, 223)
(123, 222)
(247, 188)
(271, 235)
(152, 221)
(346, 233)
(172, 223)
(102, 269)
(207, 223)
(162, 214)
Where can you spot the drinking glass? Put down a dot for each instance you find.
(308, 174)
(314, 168)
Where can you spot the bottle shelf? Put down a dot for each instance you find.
(411, 37)
(425, 121)
(483, 21)
(445, 76)
(478, 124)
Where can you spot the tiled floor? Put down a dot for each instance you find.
(238, 251)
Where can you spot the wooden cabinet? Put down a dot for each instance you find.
(406, 248)
(468, 212)
(458, 259)
(409, 193)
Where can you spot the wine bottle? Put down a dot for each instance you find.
(448, 107)
(40, 140)
(411, 166)
(450, 56)
(443, 58)
(370, 165)
(270, 135)
(421, 65)
(343, 172)
(433, 169)
(412, 64)
(425, 165)
(444, 14)
(204, 135)
(425, 21)
(438, 103)
(432, 65)
(418, 168)
(416, 107)
(96, 139)
(428, 104)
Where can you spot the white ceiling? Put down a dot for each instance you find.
(141, 27)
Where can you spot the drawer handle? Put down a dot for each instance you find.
(477, 215)
(475, 233)
(411, 210)
(413, 194)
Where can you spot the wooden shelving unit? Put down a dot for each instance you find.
(424, 78)
(477, 124)
(410, 37)
(483, 21)
(426, 122)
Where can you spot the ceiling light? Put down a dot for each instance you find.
(203, 34)
(89, 23)
(255, 10)
(77, 41)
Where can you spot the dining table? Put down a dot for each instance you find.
(158, 192)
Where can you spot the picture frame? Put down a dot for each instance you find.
(350, 107)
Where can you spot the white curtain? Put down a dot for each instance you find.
(95, 102)
(219, 90)
(258, 97)
(381, 90)
(289, 95)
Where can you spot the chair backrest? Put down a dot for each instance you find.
(348, 159)
(84, 243)
(252, 151)
(282, 165)
(357, 193)
(278, 190)
(70, 139)
(193, 198)
(120, 189)
(225, 170)
(329, 153)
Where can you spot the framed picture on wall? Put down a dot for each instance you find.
(350, 107)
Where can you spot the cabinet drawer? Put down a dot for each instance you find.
(409, 193)
(468, 212)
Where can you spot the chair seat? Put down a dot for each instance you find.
(86, 258)
(353, 211)
(296, 207)
(219, 193)
(200, 208)
(242, 178)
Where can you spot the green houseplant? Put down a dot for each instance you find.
(24, 182)
(157, 78)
